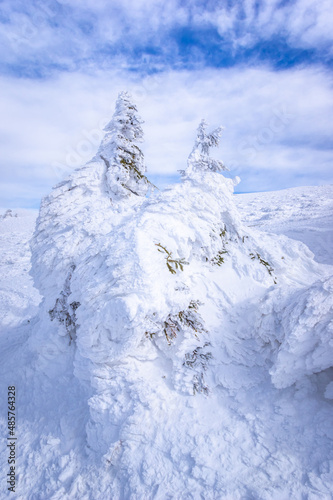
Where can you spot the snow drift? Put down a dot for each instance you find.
(300, 328)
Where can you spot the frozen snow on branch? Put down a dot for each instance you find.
(120, 152)
(199, 159)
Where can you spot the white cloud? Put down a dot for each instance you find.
(278, 124)
(70, 33)
(76, 34)
(303, 23)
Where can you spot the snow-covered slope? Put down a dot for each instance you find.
(19, 300)
(303, 213)
(140, 405)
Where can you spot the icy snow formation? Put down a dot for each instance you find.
(133, 273)
(177, 353)
(119, 150)
(305, 332)
(199, 159)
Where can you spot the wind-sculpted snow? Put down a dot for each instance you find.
(301, 332)
(173, 317)
(138, 380)
(118, 272)
(71, 217)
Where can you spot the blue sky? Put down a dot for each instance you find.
(263, 69)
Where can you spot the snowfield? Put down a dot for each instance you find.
(303, 213)
(113, 415)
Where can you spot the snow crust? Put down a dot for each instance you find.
(302, 213)
(112, 405)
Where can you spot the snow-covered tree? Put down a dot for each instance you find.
(120, 152)
(199, 159)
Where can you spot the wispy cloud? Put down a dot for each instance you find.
(39, 38)
(278, 130)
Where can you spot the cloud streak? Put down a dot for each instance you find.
(40, 38)
(278, 130)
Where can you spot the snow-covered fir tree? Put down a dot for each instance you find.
(120, 152)
(199, 159)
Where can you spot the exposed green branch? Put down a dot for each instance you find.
(172, 264)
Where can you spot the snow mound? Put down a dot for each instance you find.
(302, 332)
(161, 277)
(128, 425)
(98, 269)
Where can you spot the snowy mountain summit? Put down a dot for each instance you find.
(198, 350)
